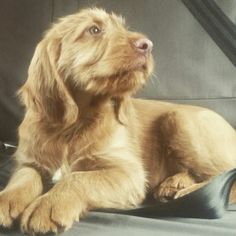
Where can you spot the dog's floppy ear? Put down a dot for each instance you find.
(45, 91)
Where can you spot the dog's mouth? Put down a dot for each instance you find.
(139, 63)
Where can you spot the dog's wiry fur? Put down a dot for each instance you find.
(110, 150)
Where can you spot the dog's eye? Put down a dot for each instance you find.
(94, 30)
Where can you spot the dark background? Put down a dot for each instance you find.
(190, 68)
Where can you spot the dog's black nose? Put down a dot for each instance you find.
(143, 45)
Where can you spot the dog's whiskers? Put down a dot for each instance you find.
(154, 79)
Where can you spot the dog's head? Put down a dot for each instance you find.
(91, 51)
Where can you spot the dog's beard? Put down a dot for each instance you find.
(118, 84)
(121, 78)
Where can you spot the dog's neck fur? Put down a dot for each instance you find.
(92, 106)
(89, 105)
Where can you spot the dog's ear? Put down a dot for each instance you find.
(45, 91)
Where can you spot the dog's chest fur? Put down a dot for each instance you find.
(118, 149)
(100, 145)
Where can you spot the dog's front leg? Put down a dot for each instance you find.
(24, 186)
(78, 192)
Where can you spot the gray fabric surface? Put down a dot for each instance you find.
(107, 224)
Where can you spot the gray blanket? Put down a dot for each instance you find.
(107, 224)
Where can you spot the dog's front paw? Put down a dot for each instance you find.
(168, 189)
(50, 213)
(12, 204)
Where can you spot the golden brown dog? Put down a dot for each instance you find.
(101, 148)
